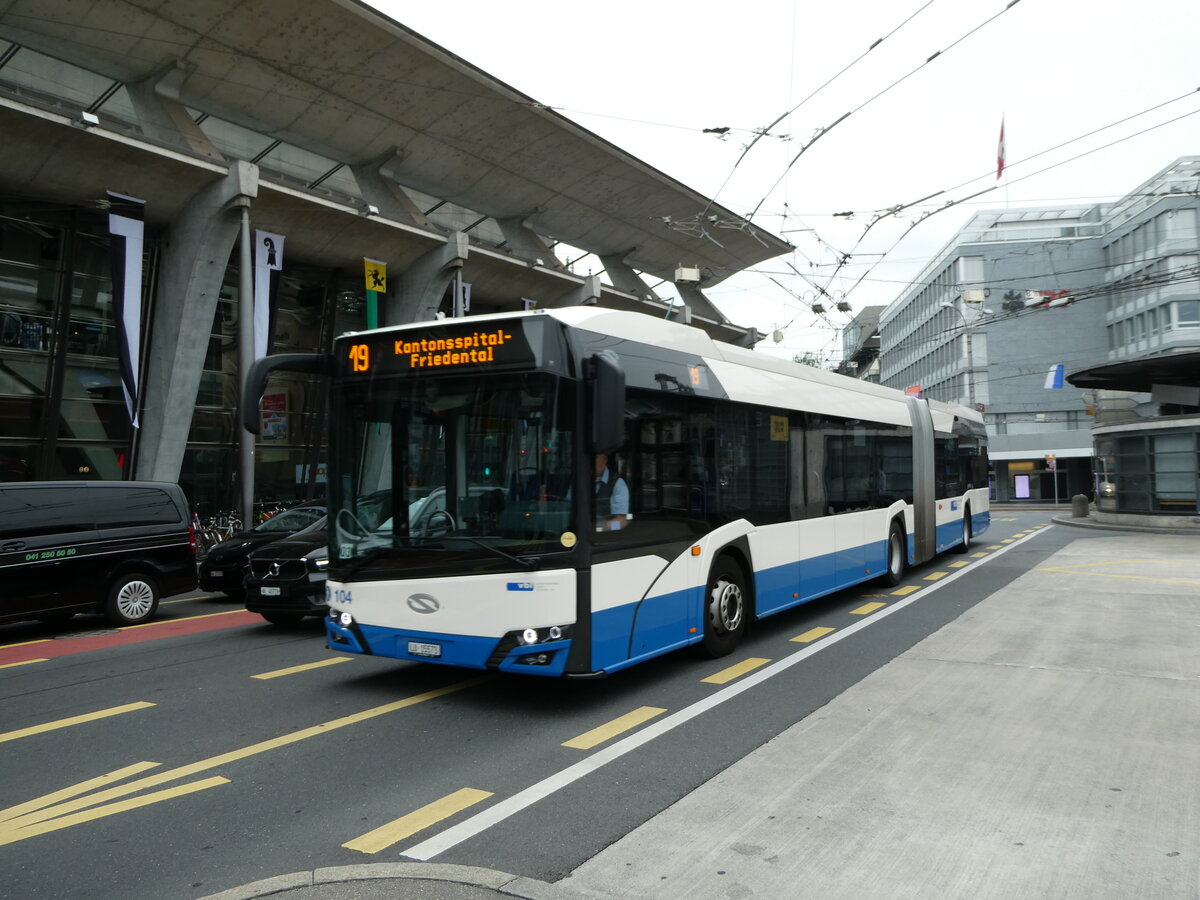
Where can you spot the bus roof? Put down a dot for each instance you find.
(748, 376)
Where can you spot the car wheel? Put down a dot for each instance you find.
(133, 598)
(897, 554)
(726, 608)
(282, 618)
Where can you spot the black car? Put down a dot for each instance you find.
(224, 567)
(115, 547)
(285, 580)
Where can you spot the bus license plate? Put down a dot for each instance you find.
(416, 648)
(270, 591)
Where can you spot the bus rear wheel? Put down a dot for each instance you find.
(965, 544)
(896, 554)
(726, 608)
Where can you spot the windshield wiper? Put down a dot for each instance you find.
(527, 563)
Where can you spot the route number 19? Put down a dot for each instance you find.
(360, 358)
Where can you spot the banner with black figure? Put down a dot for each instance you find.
(127, 228)
(268, 258)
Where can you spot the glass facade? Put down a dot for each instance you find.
(1149, 471)
(62, 409)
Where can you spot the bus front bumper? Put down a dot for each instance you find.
(510, 653)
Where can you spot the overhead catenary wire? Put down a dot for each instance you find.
(764, 131)
(826, 129)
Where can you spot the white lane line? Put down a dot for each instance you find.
(510, 806)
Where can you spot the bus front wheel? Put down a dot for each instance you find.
(726, 608)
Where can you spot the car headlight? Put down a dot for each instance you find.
(321, 564)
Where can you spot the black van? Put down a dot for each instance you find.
(93, 546)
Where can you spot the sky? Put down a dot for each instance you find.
(1086, 90)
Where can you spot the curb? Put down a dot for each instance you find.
(1086, 522)
(502, 883)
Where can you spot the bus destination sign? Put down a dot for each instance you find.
(441, 350)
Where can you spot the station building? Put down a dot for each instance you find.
(1108, 292)
(163, 162)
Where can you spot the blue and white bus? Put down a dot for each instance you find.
(570, 492)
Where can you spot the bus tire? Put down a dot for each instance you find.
(897, 554)
(965, 544)
(726, 608)
(133, 598)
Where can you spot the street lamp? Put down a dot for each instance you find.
(967, 328)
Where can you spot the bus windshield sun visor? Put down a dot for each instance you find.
(256, 381)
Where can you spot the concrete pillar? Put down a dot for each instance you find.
(163, 117)
(380, 188)
(423, 285)
(587, 294)
(190, 277)
(624, 278)
(525, 243)
(698, 303)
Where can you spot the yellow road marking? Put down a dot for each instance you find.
(1007, 541)
(1085, 567)
(867, 608)
(21, 831)
(292, 670)
(184, 599)
(619, 725)
(735, 671)
(935, 576)
(386, 835)
(906, 590)
(23, 662)
(978, 555)
(73, 720)
(959, 564)
(228, 612)
(75, 790)
(869, 596)
(995, 547)
(20, 822)
(811, 635)
(25, 643)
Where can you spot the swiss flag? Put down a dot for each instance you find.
(1000, 152)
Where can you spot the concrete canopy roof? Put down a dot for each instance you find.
(1178, 369)
(342, 79)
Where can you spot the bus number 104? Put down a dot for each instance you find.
(360, 357)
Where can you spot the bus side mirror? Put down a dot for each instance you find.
(256, 380)
(607, 385)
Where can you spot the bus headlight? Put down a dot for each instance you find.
(529, 636)
(555, 633)
(346, 619)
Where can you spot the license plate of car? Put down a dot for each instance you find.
(215, 573)
(416, 648)
(269, 591)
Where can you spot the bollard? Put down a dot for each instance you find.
(1079, 506)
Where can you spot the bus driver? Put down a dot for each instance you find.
(612, 497)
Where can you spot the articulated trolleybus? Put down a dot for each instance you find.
(570, 492)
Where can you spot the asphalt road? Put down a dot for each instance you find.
(188, 763)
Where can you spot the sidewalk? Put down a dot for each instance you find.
(1043, 744)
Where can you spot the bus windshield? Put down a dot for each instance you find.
(475, 467)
